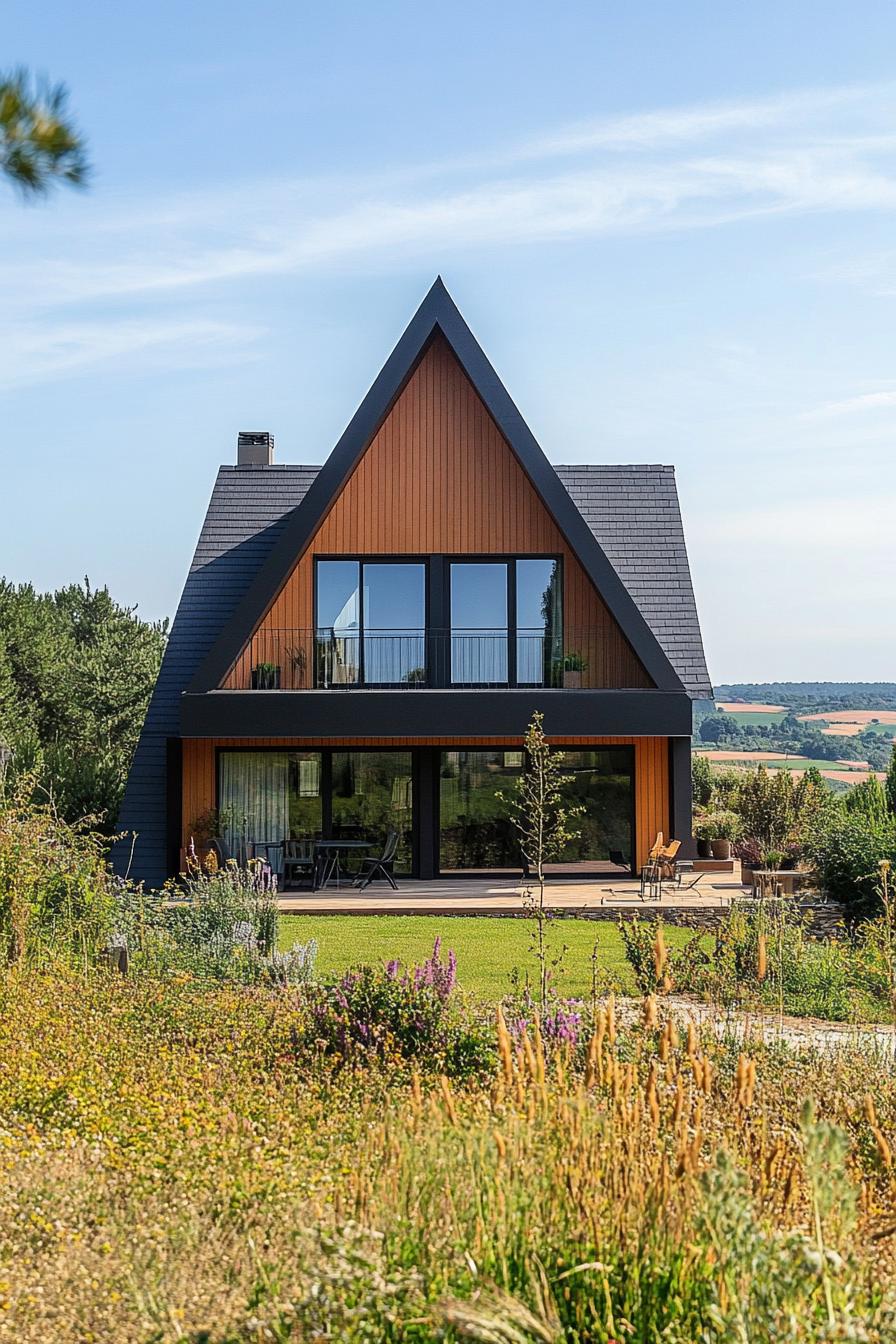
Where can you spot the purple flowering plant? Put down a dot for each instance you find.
(395, 1014)
(561, 1023)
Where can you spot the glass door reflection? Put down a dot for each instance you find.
(479, 623)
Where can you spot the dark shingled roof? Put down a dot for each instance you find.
(632, 510)
(246, 514)
(634, 513)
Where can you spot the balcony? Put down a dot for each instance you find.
(414, 660)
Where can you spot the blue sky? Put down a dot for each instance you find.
(672, 227)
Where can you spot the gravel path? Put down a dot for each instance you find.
(800, 1033)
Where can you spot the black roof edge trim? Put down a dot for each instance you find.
(438, 311)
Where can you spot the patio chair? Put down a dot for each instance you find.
(649, 871)
(373, 869)
(298, 860)
(671, 869)
(667, 861)
(222, 851)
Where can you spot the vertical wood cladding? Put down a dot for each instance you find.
(439, 479)
(652, 812)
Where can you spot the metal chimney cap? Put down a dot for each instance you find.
(254, 448)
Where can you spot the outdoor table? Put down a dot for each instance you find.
(326, 855)
(767, 879)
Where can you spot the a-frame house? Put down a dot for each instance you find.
(359, 647)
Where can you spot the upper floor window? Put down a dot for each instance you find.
(500, 621)
(370, 622)
(505, 621)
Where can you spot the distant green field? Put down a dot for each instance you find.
(781, 763)
(882, 729)
(804, 765)
(748, 718)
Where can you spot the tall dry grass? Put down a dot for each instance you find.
(174, 1170)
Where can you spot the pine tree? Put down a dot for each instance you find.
(39, 143)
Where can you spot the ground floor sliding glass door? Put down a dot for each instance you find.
(451, 809)
(271, 796)
(476, 834)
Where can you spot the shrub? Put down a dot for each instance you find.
(776, 809)
(764, 952)
(216, 922)
(701, 781)
(725, 787)
(55, 888)
(847, 850)
(391, 1014)
(867, 799)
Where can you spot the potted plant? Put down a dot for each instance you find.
(207, 832)
(750, 855)
(714, 833)
(266, 677)
(703, 833)
(772, 860)
(727, 829)
(572, 665)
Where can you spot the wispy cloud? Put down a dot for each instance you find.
(882, 399)
(35, 352)
(675, 169)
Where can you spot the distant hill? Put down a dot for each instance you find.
(812, 695)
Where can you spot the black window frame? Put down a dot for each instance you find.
(326, 755)
(361, 561)
(570, 874)
(509, 560)
(437, 598)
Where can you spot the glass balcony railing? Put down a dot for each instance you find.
(352, 659)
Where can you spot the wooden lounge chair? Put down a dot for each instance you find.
(667, 861)
(650, 869)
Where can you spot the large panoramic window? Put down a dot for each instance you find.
(479, 622)
(372, 794)
(476, 833)
(371, 622)
(338, 621)
(266, 797)
(394, 622)
(601, 782)
(538, 609)
(252, 802)
(505, 621)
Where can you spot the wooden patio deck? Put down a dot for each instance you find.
(476, 896)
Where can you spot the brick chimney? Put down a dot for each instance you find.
(254, 448)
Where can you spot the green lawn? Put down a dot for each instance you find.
(487, 949)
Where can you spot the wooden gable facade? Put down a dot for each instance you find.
(440, 478)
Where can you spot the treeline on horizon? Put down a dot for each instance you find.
(832, 695)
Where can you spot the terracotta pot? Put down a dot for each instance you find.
(721, 849)
(704, 849)
(572, 681)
